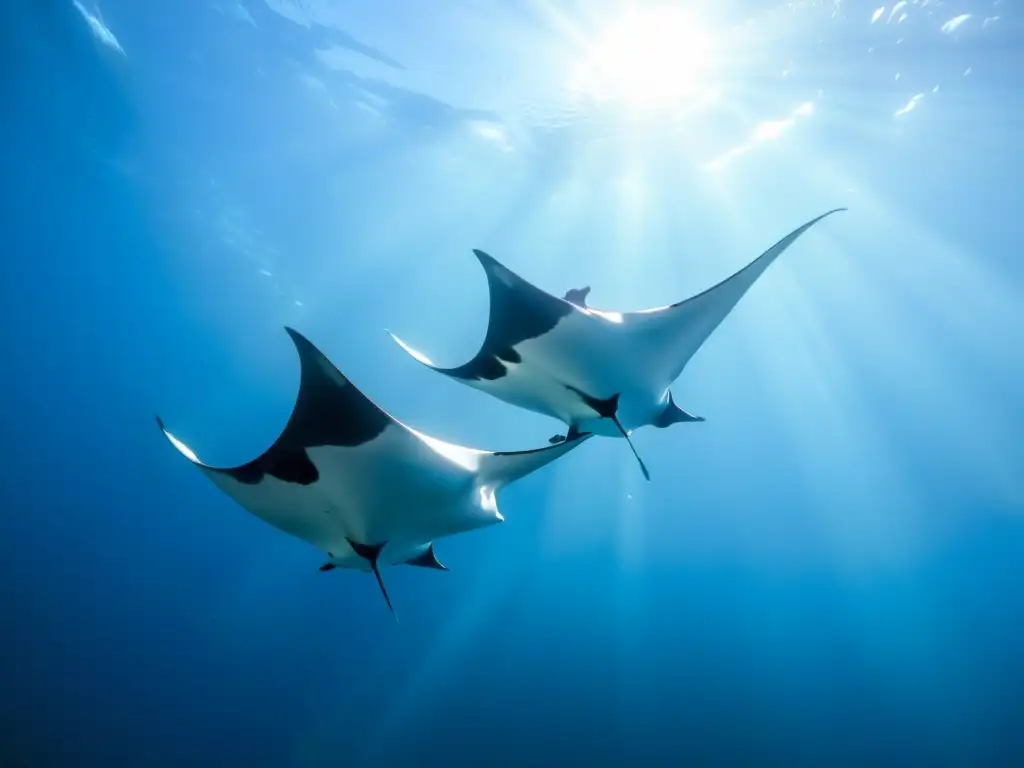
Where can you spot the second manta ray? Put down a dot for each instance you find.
(361, 486)
(599, 372)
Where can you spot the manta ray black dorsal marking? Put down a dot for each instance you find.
(608, 409)
(327, 412)
(371, 554)
(519, 311)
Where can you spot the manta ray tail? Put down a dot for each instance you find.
(673, 414)
(643, 467)
(371, 553)
(608, 409)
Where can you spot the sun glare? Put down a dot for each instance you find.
(656, 57)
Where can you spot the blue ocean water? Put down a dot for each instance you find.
(827, 571)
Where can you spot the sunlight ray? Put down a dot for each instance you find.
(631, 227)
(500, 571)
(645, 57)
(814, 406)
(400, 225)
(866, 483)
(574, 514)
(915, 294)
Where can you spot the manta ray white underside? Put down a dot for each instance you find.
(361, 486)
(597, 371)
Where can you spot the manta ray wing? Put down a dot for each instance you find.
(348, 478)
(499, 468)
(565, 359)
(670, 336)
(338, 452)
(538, 347)
(538, 350)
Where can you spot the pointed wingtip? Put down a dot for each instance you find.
(312, 360)
(415, 354)
(302, 344)
(179, 446)
(490, 264)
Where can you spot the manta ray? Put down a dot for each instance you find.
(358, 484)
(599, 372)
